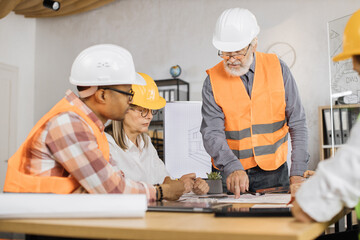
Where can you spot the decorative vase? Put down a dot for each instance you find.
(215, 186)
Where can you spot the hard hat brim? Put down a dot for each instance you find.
(233, 46)
(230, 46)
(342, 56)
(160, 103)
(139, 80)
(347, 54)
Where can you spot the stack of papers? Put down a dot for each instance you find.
(29, 205)
(276, 198)
(266, 198)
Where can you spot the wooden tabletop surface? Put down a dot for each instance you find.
(161, 225)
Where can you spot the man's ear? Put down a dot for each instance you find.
(100, 96)
(255, 42)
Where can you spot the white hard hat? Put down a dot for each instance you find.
(104, 64)
(235, 29)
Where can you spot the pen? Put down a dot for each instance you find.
(291, 200)
(255, 193)
(222, 196)
(273, 190)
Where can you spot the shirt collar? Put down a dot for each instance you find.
(131, 145)
(252, 66)
(75, 101)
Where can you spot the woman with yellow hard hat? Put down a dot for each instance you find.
(131, 147)
(336, 183)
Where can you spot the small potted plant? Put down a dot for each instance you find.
(214, 182)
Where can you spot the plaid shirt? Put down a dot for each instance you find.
(67, 146)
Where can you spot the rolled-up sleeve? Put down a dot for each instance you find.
(75, 148)
(213, 133)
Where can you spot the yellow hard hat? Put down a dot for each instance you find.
(147, 96)
(351, 38)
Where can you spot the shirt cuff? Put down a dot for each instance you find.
(320, 207)
(299, 163)
(150, 192)
(232, 166)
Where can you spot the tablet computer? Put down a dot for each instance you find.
(231, 211)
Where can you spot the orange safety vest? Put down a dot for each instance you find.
(256, 129)
(16, 178)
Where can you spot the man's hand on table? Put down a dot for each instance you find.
(237, 182)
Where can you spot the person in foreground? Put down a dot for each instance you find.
(67, 151)
(250, 104)
(336, 183)
(131, 147)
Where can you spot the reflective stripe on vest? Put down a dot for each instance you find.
(259, 151)
(16, 178)
(256, 129)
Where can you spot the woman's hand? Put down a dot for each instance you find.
(299, 214)
(173, 190)
(200, 186)
(188, 180)
(294, 187)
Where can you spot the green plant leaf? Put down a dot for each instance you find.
(214, 176)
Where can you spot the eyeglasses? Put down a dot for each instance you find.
(238, 55)
(130, 93)
(144, 111)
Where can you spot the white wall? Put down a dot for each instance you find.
(17, 48)
(162, 33)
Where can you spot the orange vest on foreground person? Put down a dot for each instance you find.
(16, 178)
(256, 129)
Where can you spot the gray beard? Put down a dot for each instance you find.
(236, 72)
(239, 72)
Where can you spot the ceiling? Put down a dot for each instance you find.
(35, 8)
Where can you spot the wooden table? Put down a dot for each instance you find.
(160, 225)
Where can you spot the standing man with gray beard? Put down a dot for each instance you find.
(250, 104)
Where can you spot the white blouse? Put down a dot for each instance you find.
(336, 182)
(138, 164)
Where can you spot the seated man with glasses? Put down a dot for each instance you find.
(67, 150)
(131, 147)
(130, 93)
(250, 104)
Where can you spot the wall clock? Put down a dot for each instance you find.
(284, 51)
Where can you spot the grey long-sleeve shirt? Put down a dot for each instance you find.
(213, 129)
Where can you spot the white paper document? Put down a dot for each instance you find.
(266, 198)
(272, 206)
(29, 205)
(183, 146)
(276, 198)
